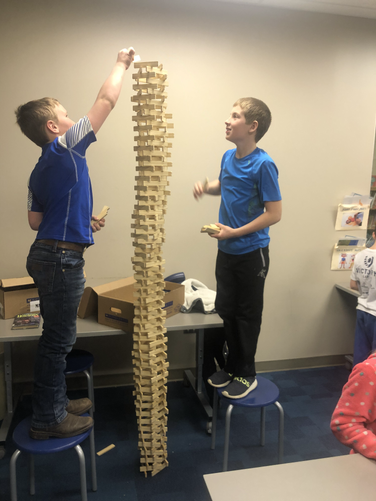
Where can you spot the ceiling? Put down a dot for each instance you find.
(356, 8)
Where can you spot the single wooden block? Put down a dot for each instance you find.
(157, 126)
(145, 64)
(106, 449)
(156, 74)
(142, 98)
(146, 86)
(103, 213)
(211, 229)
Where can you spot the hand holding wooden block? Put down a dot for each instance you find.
(103, 213)
(211, 229)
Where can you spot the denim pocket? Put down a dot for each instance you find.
(72, 264)
(71, 260)
(43, 274)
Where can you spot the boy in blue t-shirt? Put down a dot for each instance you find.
(250, 203)
(60, 208)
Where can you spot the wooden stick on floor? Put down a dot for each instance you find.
(106, 449)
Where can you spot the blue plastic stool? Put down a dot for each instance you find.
(33, 447)
(82, 361)
(266, 393)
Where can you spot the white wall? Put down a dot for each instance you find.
(316, 72)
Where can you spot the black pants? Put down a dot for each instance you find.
(239, 302)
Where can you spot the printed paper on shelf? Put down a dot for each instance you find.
(344, 253)
(353, 213)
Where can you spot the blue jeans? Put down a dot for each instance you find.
(365, 336)
(58, 275)
(239, 302)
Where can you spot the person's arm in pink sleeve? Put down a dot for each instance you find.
(353, 420)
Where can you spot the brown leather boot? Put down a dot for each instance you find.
(70, 427)
(79, 406)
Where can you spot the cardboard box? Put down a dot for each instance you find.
(18, 295)
(114, 302)
(89, 301)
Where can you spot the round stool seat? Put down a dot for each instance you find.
(26, 444)
(265, 393)
(78, 361)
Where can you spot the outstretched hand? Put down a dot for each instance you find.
(126, 56)
(198, 190)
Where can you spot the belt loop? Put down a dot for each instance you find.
(54, 247)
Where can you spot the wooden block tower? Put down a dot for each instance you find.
(149, 340)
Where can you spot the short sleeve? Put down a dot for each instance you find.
(32, 203)
(269, 188)
(78, 137)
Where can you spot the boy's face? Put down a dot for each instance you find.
(236, 128)
(63, 121)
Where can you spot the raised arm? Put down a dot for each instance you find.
(110, 90)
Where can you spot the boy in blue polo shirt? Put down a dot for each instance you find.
(250, 203)
(60, 208)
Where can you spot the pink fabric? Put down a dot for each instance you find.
(354, 419)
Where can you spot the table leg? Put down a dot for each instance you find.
(196, 383)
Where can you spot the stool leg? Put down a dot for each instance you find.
(281, 431)
(81, 459)
(93, 460)
(262, 429)
(13, 479)
(90, 385)
(92, 456)
(32, 474)
(227, 436)
(214, 421)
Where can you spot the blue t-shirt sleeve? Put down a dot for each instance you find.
(32, 202)
(224, 157)
(269, 186)
(78, 137)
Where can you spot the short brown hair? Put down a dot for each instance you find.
(255, 109)
(33, 116)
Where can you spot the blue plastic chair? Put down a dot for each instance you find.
(266, 393)
(34, 447)
(82, 361)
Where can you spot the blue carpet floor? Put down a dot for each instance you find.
(308, 398)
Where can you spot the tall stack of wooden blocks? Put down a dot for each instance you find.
(149, 340)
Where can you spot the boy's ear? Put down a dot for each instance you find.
(253, 126)
(52, 126)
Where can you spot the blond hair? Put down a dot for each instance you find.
(255, 109)
(33, 116)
